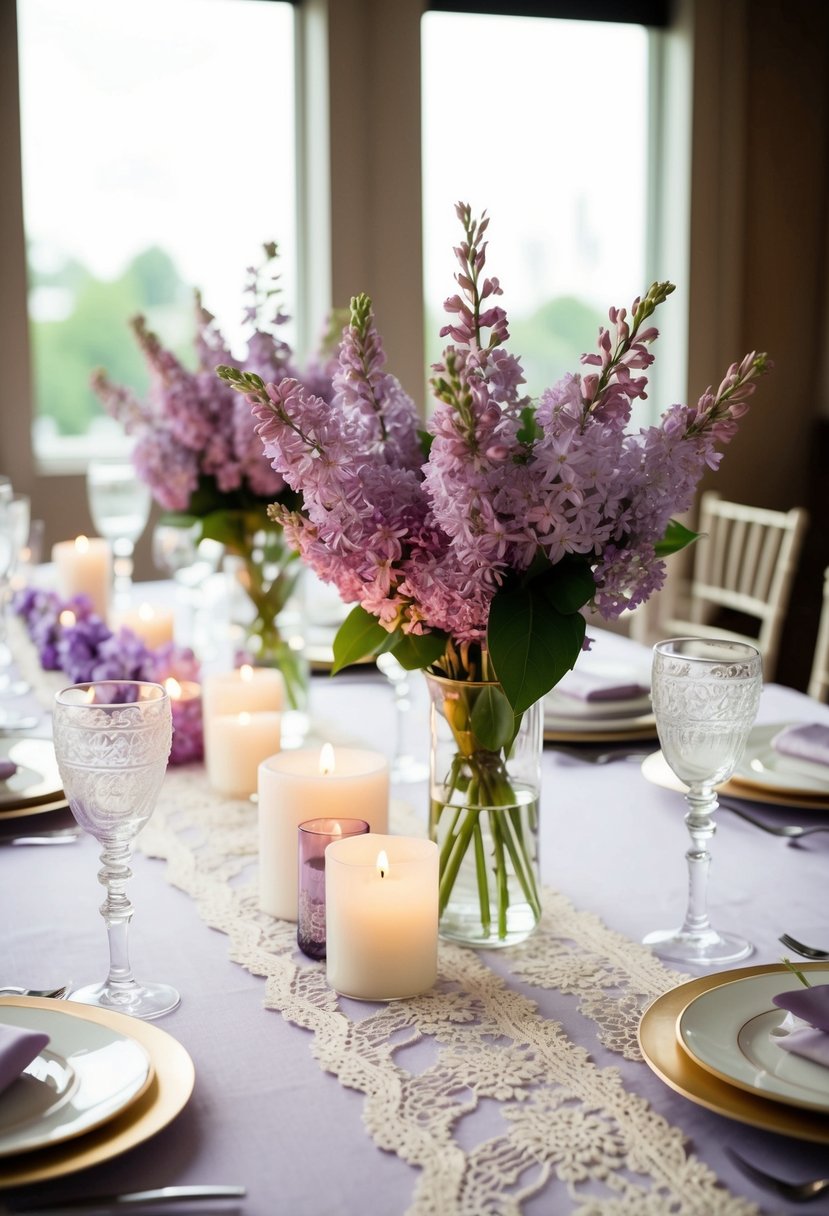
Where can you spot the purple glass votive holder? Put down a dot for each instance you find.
(314, 837)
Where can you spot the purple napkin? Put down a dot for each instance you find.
(812, 1006)
(588, 686)
(18, 1047)
(7, 769)
(812, 1044)
(808, 741)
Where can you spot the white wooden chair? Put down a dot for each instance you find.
(744, 562)
(819, 678)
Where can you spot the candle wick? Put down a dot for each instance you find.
(382, 873)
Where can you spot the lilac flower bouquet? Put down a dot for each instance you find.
(470, 549)
(197, 449)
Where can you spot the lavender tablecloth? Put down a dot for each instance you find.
(263, 1113)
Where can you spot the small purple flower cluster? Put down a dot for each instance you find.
(71, 637)
(193, 432)
(425, 542)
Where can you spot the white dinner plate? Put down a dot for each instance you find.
(85, 1075)
(730, 1031)
(558, 706)
(765, 768)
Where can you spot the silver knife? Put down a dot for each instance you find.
(131, 1199)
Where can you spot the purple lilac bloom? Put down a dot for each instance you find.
(427, 545)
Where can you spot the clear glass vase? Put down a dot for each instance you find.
(268, 572)
(485, 783)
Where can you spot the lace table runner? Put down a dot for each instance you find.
(567, 1125)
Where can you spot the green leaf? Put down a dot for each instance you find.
(676, 537)
(530, 432)
(531, 643)
(426, 441)
(227, 527)
(360, 634)
(492, 720)
(416, 651)
(569, 584)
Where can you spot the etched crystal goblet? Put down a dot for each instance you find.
(112, 742)
(705, 696)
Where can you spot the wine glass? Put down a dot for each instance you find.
(15, 511)
(405, 767)
(705, 697)
(119, 502)
(112, 741)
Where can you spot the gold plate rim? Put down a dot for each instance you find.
(165, 1097)
(622, 735)
(664, 1055)
(39, 808)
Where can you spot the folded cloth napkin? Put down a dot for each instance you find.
(7, 769)
(18, 1047)
(593, 686)
(811, 1005)
(807, 741)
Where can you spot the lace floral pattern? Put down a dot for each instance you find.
(568, 1127)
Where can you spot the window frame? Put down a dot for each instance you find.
(359, 208)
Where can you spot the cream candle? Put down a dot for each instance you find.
(153, 625)
(381, 914)
(237, 746)
(83, 566)
(335, 783)
(247, 690)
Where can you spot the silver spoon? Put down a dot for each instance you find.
(799, 1192)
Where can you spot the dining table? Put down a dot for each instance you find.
(521, 1083)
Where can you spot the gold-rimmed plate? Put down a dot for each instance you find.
(37, 778)
(767, 770)
(165, 1097)
(734, 1031)
(655, 768)
(663, 1054)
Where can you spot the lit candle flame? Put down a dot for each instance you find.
(244, 719)
(246, 672)
(173, 688)
(336, 829)
(146, 612)
(382, 863)
(327, 764)
(81, 544)
(67, 618)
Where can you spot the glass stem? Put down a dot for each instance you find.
(701, 827)
(117, 912)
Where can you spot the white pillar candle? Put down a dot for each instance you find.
(246, 690)
(335, 783)
(153, 625)
(238, 745)
(381, 914)
(83, 566)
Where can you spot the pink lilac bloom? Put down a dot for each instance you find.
(193, 435)
(426, 543)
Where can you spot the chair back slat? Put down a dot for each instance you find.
(744, 561)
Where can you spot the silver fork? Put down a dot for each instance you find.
(789, 831)
(799, 1192)
(590, 754)
(791, 943)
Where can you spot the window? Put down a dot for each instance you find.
(158, 156)
(544, 124)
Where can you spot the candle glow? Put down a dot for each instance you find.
(327, 759)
